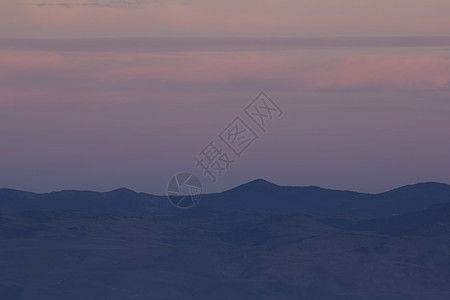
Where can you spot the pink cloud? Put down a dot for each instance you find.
(40, 60)
(119, 76)
(198, 68)
(394, 71)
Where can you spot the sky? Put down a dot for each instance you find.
(98, 95)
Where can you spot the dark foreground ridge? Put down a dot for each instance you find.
(256, 241)
(79, 255)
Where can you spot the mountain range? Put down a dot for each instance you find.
(258, 195)
(256, 241)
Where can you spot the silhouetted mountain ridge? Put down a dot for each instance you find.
(258, 196)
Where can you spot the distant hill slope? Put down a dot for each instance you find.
(263, 196)
(121, 202)
(256, 197)
(433, 221)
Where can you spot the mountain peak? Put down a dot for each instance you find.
(260, 182)
(123, 191)
(256, 184)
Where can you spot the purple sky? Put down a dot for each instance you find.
(106, 94)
